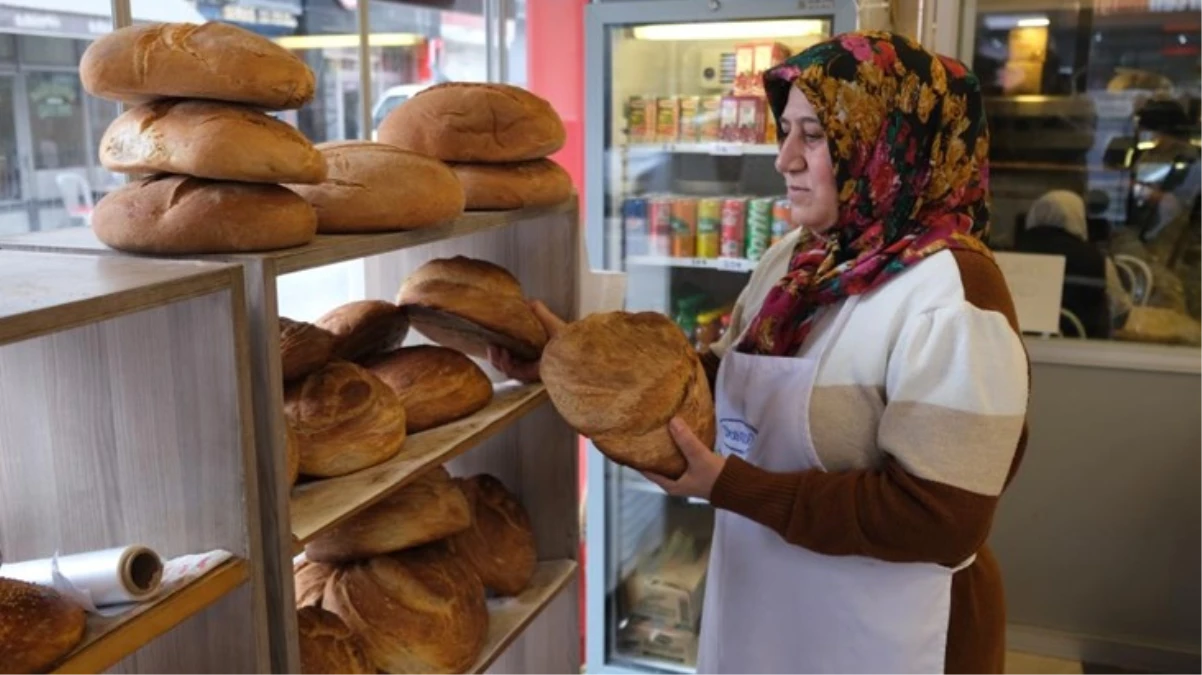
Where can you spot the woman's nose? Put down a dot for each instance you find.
(790, 159)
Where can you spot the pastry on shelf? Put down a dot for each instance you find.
(346, 419)
(374, 187)
(365, 328)
(303, 348)
(327, 645)
(430, 508)
(437, 385)
(499, 545)
(517, 185)
(38, 626)
(467, 304)
(620, 377)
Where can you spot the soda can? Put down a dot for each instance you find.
(709, 228)
(759, 227)
(659, 225)
(781, 210)
(734, 225)
(634, 225)
(684, 227)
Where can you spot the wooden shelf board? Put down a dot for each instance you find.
(324, 250)
(47, 293)
(322, 504)
(110, 639)
(509, 617)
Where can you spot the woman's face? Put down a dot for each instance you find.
(805, 162)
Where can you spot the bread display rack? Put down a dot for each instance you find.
(517, 437)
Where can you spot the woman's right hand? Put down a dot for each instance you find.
(511, 366)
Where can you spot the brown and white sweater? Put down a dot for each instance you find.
(919, 417)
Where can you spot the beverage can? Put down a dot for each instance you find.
(734, 224)
(709, 228)
(634, 225)
(780, 219)
(659, 225)
(759, 227)
(684, 227)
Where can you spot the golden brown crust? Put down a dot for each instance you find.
(181, 215)
(327, 645)
(502, 187)
(620, 377)
(310, 580)
(374, 187)
(365, 328)
(215, 61)
(437, 385)
(346, 419)
(477, 292)
(303, 348)
(475, 122)
(428, 509)
(37, 626)
(206, 139)
(417, 611)
(499, 545)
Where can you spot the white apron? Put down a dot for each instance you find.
(772, 607)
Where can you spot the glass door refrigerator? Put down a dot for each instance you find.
(681, 196)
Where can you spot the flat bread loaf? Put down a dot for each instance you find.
(475, 122)
(518, 185)
(373, 187)
(214, 60)
(220, 141)
(620, 377)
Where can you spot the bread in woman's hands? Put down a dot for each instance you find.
(467, 304)
(346, 419)
(620, 377)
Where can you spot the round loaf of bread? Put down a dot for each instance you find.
(373, 187)
(221, 141)
(437, 385)
(499, 545)
(215, 61)
(181, 215)
(38, 626)
(475, 122)
(519, 185)
(428, 509)
(467, 304)
(364, 328)
(346, 419)
(417, 611)
(310, 580)
(619, 378)
(327, 644)
(303, 348)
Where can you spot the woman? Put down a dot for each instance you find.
(875, 355)
(1056, 224)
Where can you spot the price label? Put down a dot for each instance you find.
(733, 265)
(727, 149)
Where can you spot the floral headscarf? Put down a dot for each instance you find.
(909, 145)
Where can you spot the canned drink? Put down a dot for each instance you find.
(634, 225)
(659, 225)
(780, 220)
(684, 227)
(734, 225)
(759, 227)
(709, 228)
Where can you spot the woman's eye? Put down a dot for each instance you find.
(814, 137)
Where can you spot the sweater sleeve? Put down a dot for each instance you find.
(952, 428)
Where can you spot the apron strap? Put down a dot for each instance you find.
(966, 564)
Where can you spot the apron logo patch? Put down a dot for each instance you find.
(737, 436)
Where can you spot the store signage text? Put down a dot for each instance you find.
(23, 21)
(262, 17)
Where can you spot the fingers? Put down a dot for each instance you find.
(686, 440)
(553, 324)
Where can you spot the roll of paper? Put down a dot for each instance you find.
(114, 576)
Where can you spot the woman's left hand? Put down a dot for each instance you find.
(703, 465)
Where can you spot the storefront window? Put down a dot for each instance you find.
(1094, 112)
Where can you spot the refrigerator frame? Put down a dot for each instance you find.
(599, 18)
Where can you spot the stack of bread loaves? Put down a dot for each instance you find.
(408, 574)
(216, 161)
(496, 137)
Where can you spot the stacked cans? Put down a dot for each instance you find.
(704, 227)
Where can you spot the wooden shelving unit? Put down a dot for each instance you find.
(516, 438)
(125, 417)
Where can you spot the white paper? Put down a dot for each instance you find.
(95, 579)
(1036, 283)
(600, 291)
